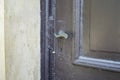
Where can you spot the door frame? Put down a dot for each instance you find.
(47, 39)
(44, 56)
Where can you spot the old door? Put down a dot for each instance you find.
(87, 40)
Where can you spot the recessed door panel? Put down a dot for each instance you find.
(100, 29)
(105, 25)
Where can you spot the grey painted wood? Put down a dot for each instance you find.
(77, 58)
(90, 25)
(105, 25)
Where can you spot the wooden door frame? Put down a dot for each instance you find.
(47, 39)
(44, 62)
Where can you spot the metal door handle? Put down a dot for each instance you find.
(61, 34)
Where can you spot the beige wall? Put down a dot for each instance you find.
(22, 39)
(2, 53)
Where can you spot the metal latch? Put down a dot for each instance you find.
(61, 34)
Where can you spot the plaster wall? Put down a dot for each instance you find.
(22, 39)
(2, 50)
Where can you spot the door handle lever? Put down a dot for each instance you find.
(61, 34)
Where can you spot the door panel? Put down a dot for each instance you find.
(91, 51)
(100, 25)
(105, 27)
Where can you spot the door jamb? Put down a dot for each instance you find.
(44, 55)
(47, 39)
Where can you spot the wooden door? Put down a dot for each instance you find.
(92, 49)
